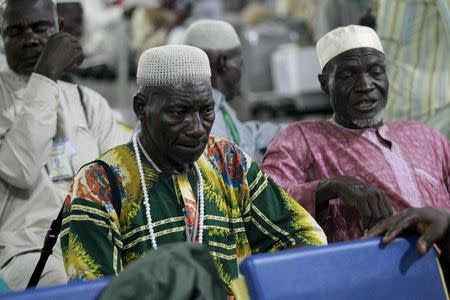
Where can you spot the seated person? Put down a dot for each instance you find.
(354, 170)
(152, 23)
(48, 129)
(222, 45)
(175, 182)
(432, 224)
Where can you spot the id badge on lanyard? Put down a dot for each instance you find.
(59, 164)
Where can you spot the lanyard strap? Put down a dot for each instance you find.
(231, 127)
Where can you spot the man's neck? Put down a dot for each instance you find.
(350, 125)
(157, 161)
(23, 77)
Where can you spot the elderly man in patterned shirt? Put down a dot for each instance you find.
(175, 182)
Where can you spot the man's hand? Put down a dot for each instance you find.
(371, 202)
(61, 53)
(433, 224)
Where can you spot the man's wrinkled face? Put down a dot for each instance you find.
(358, 86)
(177, 121)
(27, 25)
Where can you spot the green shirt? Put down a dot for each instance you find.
(245, 213)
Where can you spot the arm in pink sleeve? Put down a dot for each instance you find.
(288, 161)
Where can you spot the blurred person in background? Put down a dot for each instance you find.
(355, 170)
(71, 14)
(331, 14)
(222, 45)
(151, 24)
(102, 39)
(48, 130)
(255, 13)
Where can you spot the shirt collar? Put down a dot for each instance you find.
(381, 132)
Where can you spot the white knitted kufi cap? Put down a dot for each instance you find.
(172, 64)
(346, 38)
(212, 35)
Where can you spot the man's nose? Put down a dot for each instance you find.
(364, 84)
(31, 39)
(196, 128)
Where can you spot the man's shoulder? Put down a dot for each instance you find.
(220, 149)
(305, 128)
(406, 126)
(119, 159)
(222, 144)
(117, 154)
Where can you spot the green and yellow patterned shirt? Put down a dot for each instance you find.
(245, 213)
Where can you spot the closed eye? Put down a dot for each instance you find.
(345, 75)
(377, 70)
(208, 110)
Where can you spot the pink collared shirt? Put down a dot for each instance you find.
(408, 160)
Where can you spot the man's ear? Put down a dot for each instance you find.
(323, 79)
(222, 64)
(60, 24)
(139, 105)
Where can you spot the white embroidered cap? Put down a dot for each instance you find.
(171, 64)
(212, 35)
(346, 38)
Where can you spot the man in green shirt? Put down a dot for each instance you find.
(174, 182)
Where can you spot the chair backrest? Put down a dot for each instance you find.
(363, 269)
(74, 291)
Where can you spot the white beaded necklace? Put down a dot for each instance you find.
(147, 200)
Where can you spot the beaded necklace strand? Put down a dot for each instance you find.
(147, 200)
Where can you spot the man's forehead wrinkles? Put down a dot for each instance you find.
(188, 101)
(357, 59)
(28, 20)
(27, 23)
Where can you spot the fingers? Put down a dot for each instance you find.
(384, 205)
(391, 227)
(433, 224)
(405, 220)
(379, 229)
(364, 210)
(375, 215)
(432, 234)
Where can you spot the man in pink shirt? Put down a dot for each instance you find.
(354, 170)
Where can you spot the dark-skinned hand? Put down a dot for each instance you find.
(432, 224)
(62, 53)
(370, 201)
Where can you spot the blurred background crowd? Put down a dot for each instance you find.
(278, 36)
